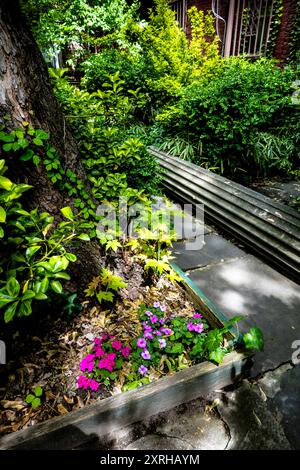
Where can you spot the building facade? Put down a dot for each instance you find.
(254, 28)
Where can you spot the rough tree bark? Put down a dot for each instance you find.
(26, 95)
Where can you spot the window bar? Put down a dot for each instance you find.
(269, 26)
(241, 29)
(263, 27)
(236, 28)
(258, 27)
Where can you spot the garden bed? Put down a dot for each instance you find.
(52, 362)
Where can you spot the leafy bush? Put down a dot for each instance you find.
(226, 114)
(34, 258)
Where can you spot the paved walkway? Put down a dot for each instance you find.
(264, 411)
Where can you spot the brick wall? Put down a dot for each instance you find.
(284, 35)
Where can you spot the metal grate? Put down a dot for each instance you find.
(249, 26)
(180, 8)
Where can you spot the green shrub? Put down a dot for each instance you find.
(226, 114)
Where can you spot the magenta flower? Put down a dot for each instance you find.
(126, 351)
(162, 343)
(199, 328)
(153, 319)
(94, 385)
(87, 363)
(104, 336)
(166, 331)
(156, 304)
(117, 345)
(111, 356)
(146, 355)
(99, 352)
(106, 364)
(163, 308)
(148, 313)
(148, 328)
(141, 343)
(197, 315)
(191, 326)
(162, 321)
(97, 341)
(148, 335)
(143, 370)
(157, 333)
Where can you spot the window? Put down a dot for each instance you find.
(180, 8)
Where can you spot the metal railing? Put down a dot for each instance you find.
(180, 8)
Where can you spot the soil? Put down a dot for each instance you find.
(46, 348)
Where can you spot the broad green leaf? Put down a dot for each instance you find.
(84, 237)
(38, 391)
(13, 287)
(178, 348)
(254, 339)
(67, 213)
(29, 294)
(35, 403)
(71, 257)
(10, 312)
(62, 275)
(5, 183)
(25, 308)
(56, 286)
(31, 250)
(40, 296)
(217, 355)
(1, 232)
(2, 215)
(29, 398)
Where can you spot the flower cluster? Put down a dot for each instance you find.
(108, 355)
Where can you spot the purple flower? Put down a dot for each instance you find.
(148, 328)
(162, 343)
(148, 335)
(148, 313)
(141, 343)
(146, 355)
(162, 321)
(199, 328)
(163, 308)
(156, 304)
(197, 315)
(191, 326)
(166, 331)
(143, 370)
(153, 319)
(157, 333)
(145, 323)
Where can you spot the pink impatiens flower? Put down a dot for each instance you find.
(141, 343)
(148, 313)
(99, 352)
(148, 335)
(162, 343)
(126, 351)
(163, 308)
(191, 326)
(97, 341)
(143, 370)
(87, 363)
(197, 315)
(156, 304)
(146, 355)
(199, 328)
(162, 321)
(153, 319)
(117, 345)
(166, 331)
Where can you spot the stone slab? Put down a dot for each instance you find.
(266, 298)
(215, 249)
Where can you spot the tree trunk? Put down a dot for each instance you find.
(26, 95)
